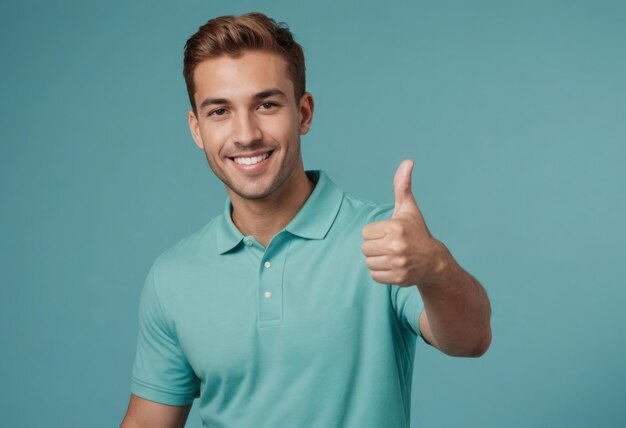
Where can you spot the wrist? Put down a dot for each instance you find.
(442, 264)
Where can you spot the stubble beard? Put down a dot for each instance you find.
(284, 173)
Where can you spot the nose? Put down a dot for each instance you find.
(246, 130)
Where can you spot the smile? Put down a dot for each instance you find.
(251, 160)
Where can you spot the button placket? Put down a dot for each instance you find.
(270, 286)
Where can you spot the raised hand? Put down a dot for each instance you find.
(401, 250)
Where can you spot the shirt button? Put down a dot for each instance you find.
(248, 242)
(267, 265)
(267, 294)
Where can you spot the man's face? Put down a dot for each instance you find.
(249, 122)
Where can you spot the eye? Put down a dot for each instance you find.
(217, 112)
(268, 105)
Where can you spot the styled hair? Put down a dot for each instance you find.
(233, 35)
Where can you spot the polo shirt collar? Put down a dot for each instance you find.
(312, 221)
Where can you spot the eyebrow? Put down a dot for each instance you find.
(273, 92)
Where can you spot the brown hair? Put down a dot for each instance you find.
(231, 35)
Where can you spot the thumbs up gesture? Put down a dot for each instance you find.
(401, 250)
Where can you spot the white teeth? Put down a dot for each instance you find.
(251, 160)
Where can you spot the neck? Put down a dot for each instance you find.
(264, 218)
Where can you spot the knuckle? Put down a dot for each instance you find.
(398, 246)
(402, 261)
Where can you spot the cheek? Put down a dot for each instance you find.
(284, 131)
(214, 138)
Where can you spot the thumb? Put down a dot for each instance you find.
(404, 199)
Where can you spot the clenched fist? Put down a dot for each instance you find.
(401, 250)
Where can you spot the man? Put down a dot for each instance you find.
(299, 305)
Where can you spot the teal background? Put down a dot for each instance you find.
(515, 115)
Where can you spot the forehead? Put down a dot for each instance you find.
(232, 77)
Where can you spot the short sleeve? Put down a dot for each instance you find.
(161, 373)
(407, 302)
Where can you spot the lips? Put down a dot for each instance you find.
(251, 159)
(251, 162)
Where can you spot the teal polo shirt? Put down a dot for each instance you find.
(297, 334)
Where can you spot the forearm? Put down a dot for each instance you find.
(143, 413)
(457, 308)
(145, 422)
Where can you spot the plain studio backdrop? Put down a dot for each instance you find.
(515, 116)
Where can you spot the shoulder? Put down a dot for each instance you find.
(354, 214)
(190, 249)
(366, 210)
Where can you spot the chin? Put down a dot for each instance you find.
(258, 193)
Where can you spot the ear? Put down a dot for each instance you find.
(306, 112)
(194, 127)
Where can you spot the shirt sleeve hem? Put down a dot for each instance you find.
(152, 393)
(418, 330)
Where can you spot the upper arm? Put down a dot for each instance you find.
(161, 372)
(427, 334)
(145, 413)
(409, 307)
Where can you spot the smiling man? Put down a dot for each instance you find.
(300, 304)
